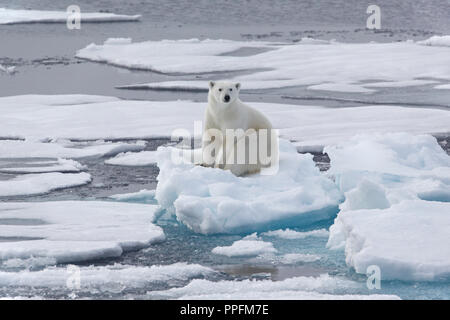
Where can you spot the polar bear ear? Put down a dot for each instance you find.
(238, 86)
(211, 84)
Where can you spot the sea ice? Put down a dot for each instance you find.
(385, 220)
(304, 63)
(61, 117)
(143, 158)
(32, 184)
(246, 247)
(210, 200)
(60, 165)
(14, 16)
(292, 234)
(74, 231)
(303, 288)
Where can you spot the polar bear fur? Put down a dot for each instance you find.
(226, 111)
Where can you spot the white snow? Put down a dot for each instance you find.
(143, 158)
(115, 277)
(62, 117)
(33, 184)
(210, 200)
(292, 234)
(64, 149)
(408, 241)
(439, 41)
(298, 64)
(60, 165)
(13, 16)
(143, 195)
(74, 231)
(246, 247)
(299, 288)
(385, 220)
(341, 87)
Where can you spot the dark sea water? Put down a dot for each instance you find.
(44, 57)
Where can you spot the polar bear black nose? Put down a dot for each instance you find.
(226, 98)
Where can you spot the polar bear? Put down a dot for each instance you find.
(236, 137)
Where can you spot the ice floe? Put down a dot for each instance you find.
(74, 231)
(38, 118)
(292, 234)
(60, 165)
(246, 247)
(322, 287)
(14, 16)
(143, 158)
(438, 41)
(321, 66)
(105, 277)
(395, 214)
(210, 200)
(33, 184)
(147, 196)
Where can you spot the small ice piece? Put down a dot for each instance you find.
(292, 258)
(132, 159)
(61, 165)
(33, 184)
(75, 231)
(14, 16)
(140, 196)
(292, 234)
(247, 247)
(303, 288)
(211, 200)
(105, 277)
(438, 41)
(8, 70)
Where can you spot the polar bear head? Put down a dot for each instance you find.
(224, 92)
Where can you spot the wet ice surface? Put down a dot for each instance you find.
(49, 55)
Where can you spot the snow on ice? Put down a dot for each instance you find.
(143, 158)
(210, 200)
(248, 246)
(33, 184)
(104, 277)
(396, 212)
(108, 118)
(322, 66)
(322, 287)
(74, 231)
(14, 16)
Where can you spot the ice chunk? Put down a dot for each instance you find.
(144, 195)
(32, 184)
(144, 158)
(61, 165)
(292, 234)
(247, 247)
(13, 16)
(405, 165)
(292, 258)
(72, 231)
(209, 200)
(8, 70)
(103, 277)
(408, 241)
(286, 64)
(439, 41)
(322, 287)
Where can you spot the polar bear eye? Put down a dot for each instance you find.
(220, 89)
(231, 89)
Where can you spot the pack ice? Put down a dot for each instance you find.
(396, 211)
(14, 16)
(210, 200)
(73, 231)
(320, 65)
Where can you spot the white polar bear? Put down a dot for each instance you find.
(237, 137)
